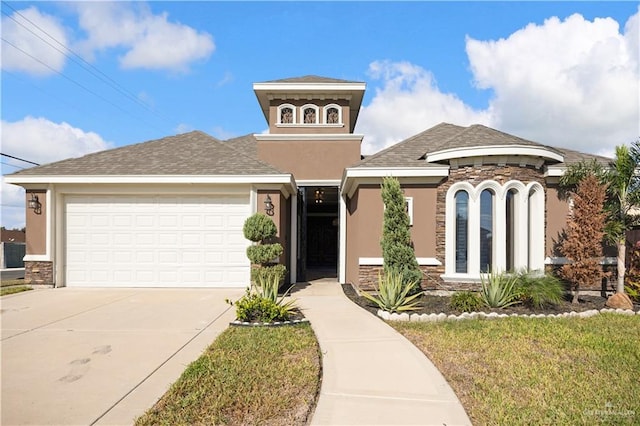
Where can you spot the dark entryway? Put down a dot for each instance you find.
(317, 233)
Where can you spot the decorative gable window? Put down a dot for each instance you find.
(493, 228)
(286, 114)
(333, 114)
(309, 114)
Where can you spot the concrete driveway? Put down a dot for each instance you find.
(101, 356)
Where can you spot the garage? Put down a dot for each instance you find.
(156, 240)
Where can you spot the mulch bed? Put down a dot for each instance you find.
(429, 304)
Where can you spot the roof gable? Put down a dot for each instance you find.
(312, 79)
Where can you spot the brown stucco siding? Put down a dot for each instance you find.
(36, 224)
(315, 159)
(365, 212)
(557, 213)
(281, 217)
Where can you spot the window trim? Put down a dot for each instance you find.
(305, 107)
(279, 117)
(325, 109)
(529, 220)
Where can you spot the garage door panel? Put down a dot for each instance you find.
(156, 240)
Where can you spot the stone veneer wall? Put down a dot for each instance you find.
(38, 273)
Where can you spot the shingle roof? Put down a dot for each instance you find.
(194, 153)
(412, 151)
(311, 79)
(247, 144)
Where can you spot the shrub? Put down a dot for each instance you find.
(539, 291)
(393, 294)
(255, 308)
(259, 227)
(499, 290)
(264, 253)
(632, 277)
(397, 251)
(465, 301)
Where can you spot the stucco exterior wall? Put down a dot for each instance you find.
(281, 217)
(316, 159)
(365, 211)
(557, 212)
(36, 224)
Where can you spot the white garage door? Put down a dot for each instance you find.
(156, 241)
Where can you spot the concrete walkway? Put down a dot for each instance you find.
(371, 374)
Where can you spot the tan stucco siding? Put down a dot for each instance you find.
(557, 211)
(317, 159)
(365, 212)
(36, 224)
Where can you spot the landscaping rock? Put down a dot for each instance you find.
(385, 315)
(441, 317)
(403, 317)
(619, 301)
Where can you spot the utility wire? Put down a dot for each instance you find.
(11, 165)
(18, 158)
(74, 82)
(76, 58)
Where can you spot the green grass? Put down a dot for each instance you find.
(14, 289)
(249, 375)
(8, 283)
(519, 371)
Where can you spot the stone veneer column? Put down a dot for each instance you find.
(38, 273)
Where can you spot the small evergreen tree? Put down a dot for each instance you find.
(397, 251)
(585, 231)
(260, 229)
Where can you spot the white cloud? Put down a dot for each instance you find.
(408, 102)
(150, 41)
(35, 39)
(571, 83)
(41, 141)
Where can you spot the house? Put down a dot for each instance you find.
(170, 212)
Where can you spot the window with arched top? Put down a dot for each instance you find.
(332, 114)
(286, 114)
(493, 227)
(309, 114)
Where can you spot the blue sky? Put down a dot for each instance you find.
(560, 73)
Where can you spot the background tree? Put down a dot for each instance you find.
(623, 194)
(397, 251)
(585, 231)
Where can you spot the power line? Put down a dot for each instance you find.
(11, 165)
(18, 158)
(73, 81)
(81, 61)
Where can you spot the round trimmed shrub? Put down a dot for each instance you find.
(259, 227)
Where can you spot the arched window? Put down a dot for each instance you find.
(510, 215)
(309, 114)
(493, 227)
(462, 231)
(333, 114)
(486, 230)
(286, 114)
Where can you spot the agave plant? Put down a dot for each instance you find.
(266, 287)
(393, 293)
(499, 290)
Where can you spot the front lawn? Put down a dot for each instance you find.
(523, 371)
(249, 375)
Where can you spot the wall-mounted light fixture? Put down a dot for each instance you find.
(34, 203)
(268, 206)
(319, 196)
